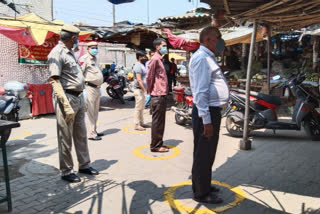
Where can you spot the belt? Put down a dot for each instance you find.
(91, 84)
(74, 93)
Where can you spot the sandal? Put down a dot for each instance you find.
(160, 149)
(209, 199)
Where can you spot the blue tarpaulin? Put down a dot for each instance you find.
(120, 1)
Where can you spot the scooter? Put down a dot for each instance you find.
(9, 110)
(262, 113)
(116, 85)
(183, 107)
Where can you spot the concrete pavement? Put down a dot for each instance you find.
(280, 174)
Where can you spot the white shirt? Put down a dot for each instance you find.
(208, 84)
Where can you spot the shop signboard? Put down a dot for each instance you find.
(37, 55)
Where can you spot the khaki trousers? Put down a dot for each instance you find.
(138, 111)
(75, 131)
(93, 103)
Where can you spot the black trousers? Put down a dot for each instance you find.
(158, 106)
(204, 151)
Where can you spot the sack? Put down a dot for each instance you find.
(148, 99)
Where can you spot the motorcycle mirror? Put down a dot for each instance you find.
(277, 77)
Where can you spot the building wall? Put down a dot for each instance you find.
(41, 7)
(10, 69)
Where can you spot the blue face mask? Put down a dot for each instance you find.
(76, 43)
(94, 51)
(220, 46)
(163, 50)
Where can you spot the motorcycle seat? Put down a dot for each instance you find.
(270, 99)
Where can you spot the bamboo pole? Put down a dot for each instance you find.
(245, 143)
(315, 53)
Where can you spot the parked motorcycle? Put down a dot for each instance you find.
(262, 113)
(9, 102)
(116, 85)
(183, 108)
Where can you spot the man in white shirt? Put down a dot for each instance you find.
(210, 92)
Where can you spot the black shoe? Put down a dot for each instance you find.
(100, 134)
(209, 199)
(214, 189)
(89, 171)
(95, 138)
(72, 178)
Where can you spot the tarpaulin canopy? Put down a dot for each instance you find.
(32, 30)
(231, 36)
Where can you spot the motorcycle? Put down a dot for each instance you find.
(262, 113)
(116, 85)
(9, 110)
(184, 101)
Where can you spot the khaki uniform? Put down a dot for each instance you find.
(94, 79)
(64, 64)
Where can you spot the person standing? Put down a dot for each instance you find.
(173, 72)
(210, 92)
(139, 73)
(93, 81)
(157, 86)
(67, 82)
(148, 96)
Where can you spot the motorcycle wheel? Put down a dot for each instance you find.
(180, 120)
(111, 92)
(234, 129)
(312, 127)
(119, 96)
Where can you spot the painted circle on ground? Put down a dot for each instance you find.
(178, 205)
(126, 129)
(23, 135)
(139, 154)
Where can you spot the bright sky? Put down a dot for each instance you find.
(99, 12)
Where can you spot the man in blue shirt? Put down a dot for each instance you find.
(210, 92)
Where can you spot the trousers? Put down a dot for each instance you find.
(72, 131)
(158, 107)
(138, 110)
(204, 151)
(93, 103)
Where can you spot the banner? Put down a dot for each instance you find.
(37, 55)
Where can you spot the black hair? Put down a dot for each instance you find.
(140, 53)
(158, 41)
(209, 30)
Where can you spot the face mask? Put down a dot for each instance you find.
(220, 46)
(94, 51)
(76, 43)
(144, 61)
(163, 50)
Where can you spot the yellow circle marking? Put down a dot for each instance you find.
(126, 129)
(25, 134)
(176, 204)
(139, 154)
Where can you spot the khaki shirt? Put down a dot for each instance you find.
(64, 64)
(91, 70)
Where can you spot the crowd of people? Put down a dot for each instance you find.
(153, 78)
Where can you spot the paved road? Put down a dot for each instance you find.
(280, 175)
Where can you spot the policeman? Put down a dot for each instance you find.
(94, 79)
(68, 83)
